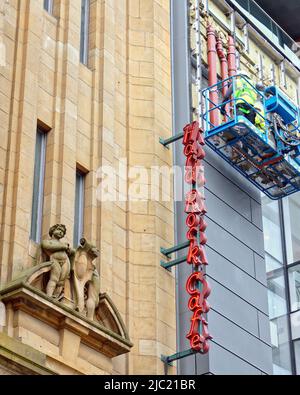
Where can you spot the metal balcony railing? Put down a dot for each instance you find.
(269, 28)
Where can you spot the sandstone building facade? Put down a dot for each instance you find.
(84, 84)
(87, 85)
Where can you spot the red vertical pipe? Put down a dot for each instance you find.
(224, 68)
(212, 72)
(231, 57)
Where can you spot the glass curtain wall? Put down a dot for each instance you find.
(278, 311)
(281, 221)
(291, 214)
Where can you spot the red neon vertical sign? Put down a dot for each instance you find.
(196, 286)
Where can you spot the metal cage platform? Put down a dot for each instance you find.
(242, 147)
(252, 152)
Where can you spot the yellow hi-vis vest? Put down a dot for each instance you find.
(260, 122)
(244, 92)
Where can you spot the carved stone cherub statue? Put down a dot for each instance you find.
(59, 254)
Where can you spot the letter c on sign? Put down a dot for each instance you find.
(190, 285)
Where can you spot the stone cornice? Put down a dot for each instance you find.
(35, 303)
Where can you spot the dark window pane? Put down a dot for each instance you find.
(292, 227)
(244, 4)
(48, 6)
(38, 187)
(84, 35)
(294, 284)
(79, 208)
(260, 15)
(297, 355)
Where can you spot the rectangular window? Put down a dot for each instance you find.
(48, 6)
(280, 346)
(79, 208)
(297, 354)
(84, 35)
(272, 233)
(294, 283)
(279, 322)
(295, 324)
(291, 209)
(38, 186)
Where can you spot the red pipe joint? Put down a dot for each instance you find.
(231, 57)
(224, 68)
(224, 63)
(212, 73)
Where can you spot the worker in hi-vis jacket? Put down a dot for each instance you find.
(246, 100)
(259, 121)
(245, 97)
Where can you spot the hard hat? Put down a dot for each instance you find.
(260, 86)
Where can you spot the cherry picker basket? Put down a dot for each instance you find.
(258, 154)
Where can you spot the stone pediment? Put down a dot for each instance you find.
(107, 335)
(106, 313)
(107, 317)
(63, 294)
